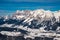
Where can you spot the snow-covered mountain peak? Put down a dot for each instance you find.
(31, 22)
(29, 13)
(18, 11)
(36, 14)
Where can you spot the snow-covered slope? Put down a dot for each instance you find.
(34, 22)
(35, 18)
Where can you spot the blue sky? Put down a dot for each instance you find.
(8, 7)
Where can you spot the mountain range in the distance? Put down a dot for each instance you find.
(31, 22)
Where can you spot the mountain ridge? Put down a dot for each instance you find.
(31, 24)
